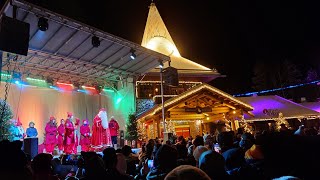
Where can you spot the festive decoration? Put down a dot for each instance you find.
(276, 89)
(192, 91)
(170, 127)
(132, 130)
(142, 131)
(281, 120)
(5, 125)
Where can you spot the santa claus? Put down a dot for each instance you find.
(85, 135)
(51, 135)
(100, 130)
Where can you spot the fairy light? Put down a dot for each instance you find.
(191, 92)
(276, 89)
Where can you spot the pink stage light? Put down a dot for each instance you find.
(88, 87)
(65, 84)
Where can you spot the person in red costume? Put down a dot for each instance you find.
(114, 127)
(51, 135)
(100, 130)
(85, 136)
(70, 135)
(61, 131)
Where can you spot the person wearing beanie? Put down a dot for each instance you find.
(213, 164)
(198, 151)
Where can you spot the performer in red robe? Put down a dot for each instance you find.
(61, 131)
(100, 130)
(85, 136)
(69, 137)
(51, 135)
(114, 127)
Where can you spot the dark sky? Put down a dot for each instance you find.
(230, 36)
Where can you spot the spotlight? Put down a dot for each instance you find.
(133, 55)
(43, 24)
(95, 41)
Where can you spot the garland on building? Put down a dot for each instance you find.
(5, 125)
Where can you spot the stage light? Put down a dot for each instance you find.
(119, 99)
(88, 87)
(17, 82)
(95, 41)
(133, 55)
(43, 24)
(66, 84)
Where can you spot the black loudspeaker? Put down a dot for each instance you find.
(14, 36)
(121, 138)
(171, 77)
(30, 146)
(167, 136)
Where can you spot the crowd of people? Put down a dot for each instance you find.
(228, 155)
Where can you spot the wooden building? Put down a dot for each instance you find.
(192, 112)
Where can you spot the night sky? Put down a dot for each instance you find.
(230, 36)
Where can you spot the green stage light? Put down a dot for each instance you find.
(108, 90)
(37, 80)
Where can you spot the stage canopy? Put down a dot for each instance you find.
(269, 107)
(65, 52)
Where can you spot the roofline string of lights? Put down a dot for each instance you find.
(276, 89)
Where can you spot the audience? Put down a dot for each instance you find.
(268, 155)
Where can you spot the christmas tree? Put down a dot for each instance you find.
(132, 130)
(281, 120)
(5, 116)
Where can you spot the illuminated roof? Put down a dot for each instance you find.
(189, 93)
(65, 51)
(269, 107)
(157, 37)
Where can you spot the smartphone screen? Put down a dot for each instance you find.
(150, 163)
(217, 148)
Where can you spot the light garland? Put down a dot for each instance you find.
(276, 89)
(191, 92)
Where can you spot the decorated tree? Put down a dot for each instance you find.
(132, 129)
(281, 120)
(5, 116)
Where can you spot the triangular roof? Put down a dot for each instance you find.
(269, 107)
(201, 89)
(157, 37)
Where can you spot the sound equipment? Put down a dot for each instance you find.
(171, 77)
(121, 138)
(30, 146)
(14, 35)
(167, 136)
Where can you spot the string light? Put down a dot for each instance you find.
(190, 92)
(276, 89)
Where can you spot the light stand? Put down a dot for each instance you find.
(162, 101)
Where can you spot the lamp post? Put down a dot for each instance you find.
(162, 101)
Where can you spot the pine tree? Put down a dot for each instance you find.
(132, 130)
(6, 113)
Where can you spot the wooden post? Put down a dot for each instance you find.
(158, 128)
(233, 125)
(154, 128)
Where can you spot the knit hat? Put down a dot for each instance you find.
(69, 114)
(187, 172)
(254, 153)
(198, 151)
